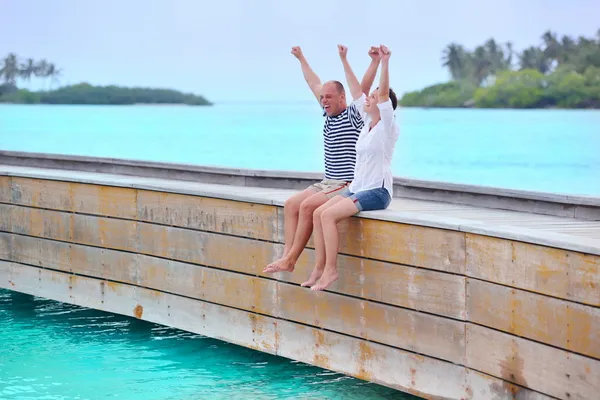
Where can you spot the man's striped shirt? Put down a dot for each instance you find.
(340, 133)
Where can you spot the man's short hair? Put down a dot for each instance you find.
(339, 86)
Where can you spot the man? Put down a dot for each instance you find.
(340, 132)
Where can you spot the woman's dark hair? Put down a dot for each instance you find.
(393, 98)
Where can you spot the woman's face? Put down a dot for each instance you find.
(371, 102)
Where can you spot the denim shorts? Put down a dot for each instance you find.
(369, 200)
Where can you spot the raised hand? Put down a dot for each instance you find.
(375, 53)
(385, 53)
(343, 50)
(297, 52)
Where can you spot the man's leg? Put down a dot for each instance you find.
(291, 208)
(329, 220)
(319, 242)
(302, 234)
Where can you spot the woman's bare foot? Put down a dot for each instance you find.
(281, 265)
(329, 276)
(314, 277)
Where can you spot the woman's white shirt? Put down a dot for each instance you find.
(375, 149)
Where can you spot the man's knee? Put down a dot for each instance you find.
(292, 204)
(310, 205)
(307, 208)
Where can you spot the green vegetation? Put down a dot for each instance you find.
(12, 70)
(563, 73)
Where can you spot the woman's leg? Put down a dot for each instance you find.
(319, 241)
(330, 217)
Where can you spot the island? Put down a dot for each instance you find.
(560, 73)
(13, 69)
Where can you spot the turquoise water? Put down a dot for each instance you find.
(55, 351)
(543, 150)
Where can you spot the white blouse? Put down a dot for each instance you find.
(374, 149)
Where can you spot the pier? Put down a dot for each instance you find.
(453, 292)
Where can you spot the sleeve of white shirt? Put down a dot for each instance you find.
(357, 111)
(388, 120)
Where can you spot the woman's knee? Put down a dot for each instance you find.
(327, 216)
(317, 214)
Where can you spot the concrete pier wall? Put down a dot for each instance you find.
(437, 312)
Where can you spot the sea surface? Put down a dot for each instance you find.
(543, 150)
(55, 351)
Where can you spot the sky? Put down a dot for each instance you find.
(239, 50)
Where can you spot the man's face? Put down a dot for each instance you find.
(332, 101)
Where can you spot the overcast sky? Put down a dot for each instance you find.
(239, 50)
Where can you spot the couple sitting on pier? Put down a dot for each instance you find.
(359, 144)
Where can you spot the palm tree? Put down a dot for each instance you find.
(53, 73)
(41, 69)
(509, 55)
(27, 69)
(567, 48)
(552, 46)
(455, 58)
(10, 69)
(495, 56)
(534, 58)
(482, 65)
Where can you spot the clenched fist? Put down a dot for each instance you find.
(343, 50)
(385, 53)
(374, 53)
(297, 52)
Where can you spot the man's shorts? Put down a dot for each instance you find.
(329, 187)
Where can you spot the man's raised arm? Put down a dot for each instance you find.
(369, 77)
(353, 83)
(309, 76)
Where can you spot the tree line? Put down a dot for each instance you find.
(13, 69)
(560, 72)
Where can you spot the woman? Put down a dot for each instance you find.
(371, 188)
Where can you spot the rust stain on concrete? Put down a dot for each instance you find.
(320, 359)
(277, 336)
(364, 360)
(138, 311)
(511, 370)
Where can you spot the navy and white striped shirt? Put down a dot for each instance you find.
(340, 133)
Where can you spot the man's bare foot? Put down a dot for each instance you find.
(282, 265)
(329, 276)
(314, 277)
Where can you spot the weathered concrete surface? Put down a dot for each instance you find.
(570, 326)
(551, 271)
(406, 371)
(566, 233)
(499, 198)
(413, 309)
(546, 369)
